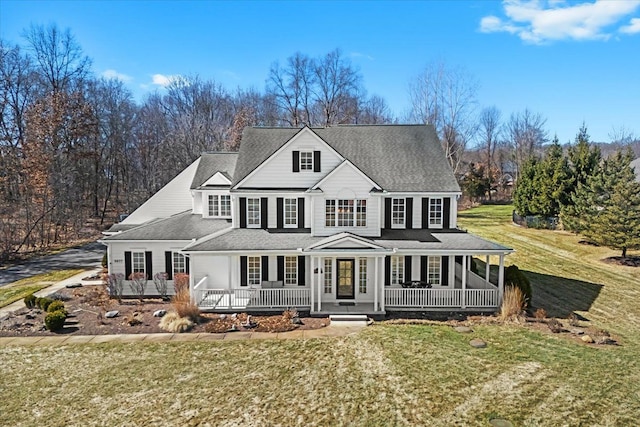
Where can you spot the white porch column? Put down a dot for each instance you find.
(501, 279)
(320, 286)
(375, 284)
(487, 272)
(464, 282)
(314, 276)
(381, 260)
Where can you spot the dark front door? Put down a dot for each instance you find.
(346, 282)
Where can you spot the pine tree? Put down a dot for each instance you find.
(607, 207)
(526, 189)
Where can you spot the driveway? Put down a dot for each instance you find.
(86, 256)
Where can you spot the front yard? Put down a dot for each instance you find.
(383, 376)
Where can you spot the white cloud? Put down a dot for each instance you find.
(536, 21)
(162, 80)
(113, 74)
(632, 28)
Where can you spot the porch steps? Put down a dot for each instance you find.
(348, 319)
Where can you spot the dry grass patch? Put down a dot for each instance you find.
(19, 289)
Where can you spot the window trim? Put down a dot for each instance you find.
(397, 270)
(251, 270)
(250, 201)
(295, 212)
(432, 200)
(210, 212)
(395, 201)
(308, 162)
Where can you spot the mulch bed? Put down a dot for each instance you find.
(629, 261)
(88, 305)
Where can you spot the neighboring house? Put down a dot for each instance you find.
(636, 165)
(359, 218)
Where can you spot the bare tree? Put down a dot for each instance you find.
(446, 98)
(337, 84)
(526, 135)
(291, 88)
(489, 135)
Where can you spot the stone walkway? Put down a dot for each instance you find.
(329, 331)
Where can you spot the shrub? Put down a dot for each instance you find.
(512, 303)
(160, 281)
(137, 283)
(54, 321)
(44, 303)
(515, 278)
(540, 314)
(180, 281)
(105, 260)
(30, 301)
(56, 306)
(555, 326)
(115, 283)
(172, 322)
(573, 319)
(183, 305)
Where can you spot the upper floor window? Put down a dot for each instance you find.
(397, 270)
(219, 205)
(253, 212)
(435, 212)
(346, 213)
(306, 160)
(290, 213)
(397, 213)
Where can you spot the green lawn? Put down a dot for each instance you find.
(18, 290)
(386, 375)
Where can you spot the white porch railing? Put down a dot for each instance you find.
(439, 298)
(249, 298)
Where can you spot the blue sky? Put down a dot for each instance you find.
(571, 61)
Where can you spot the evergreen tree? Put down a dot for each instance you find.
(526, 190)
(474, 183)
(607, 207)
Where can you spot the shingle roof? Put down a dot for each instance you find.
(210, 163)
(255, 240)
(183, 226)
(397, 157)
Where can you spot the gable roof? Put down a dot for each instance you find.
(212, 163)
(396, 157)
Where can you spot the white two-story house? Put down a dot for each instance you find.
(357, 218)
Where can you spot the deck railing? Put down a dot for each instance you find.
(440, 298)
(249, 298)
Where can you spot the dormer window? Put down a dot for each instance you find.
(219, 205)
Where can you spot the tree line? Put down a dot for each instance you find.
(77, 149)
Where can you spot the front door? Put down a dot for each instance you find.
(346, 280)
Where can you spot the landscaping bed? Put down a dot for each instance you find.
(87, 307)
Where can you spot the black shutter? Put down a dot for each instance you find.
(168, 264)
(300, 212)
(444, 279)
(425, 213)
(243, 212)
(279, 212)
(186, 264)
(296, 161)
(148, 267)
(280, 268)
(409, 212)
(387, 213)
(424, 277)
(243, 271)
(127, 265)
(301, 272)
(446, 210)
(407, 268)
(387, 270)
(316, 161)
(265, 268)
(264, 213)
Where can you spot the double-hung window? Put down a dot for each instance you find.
(435, 212)
(253, 212)
(433, 270)
(397, 213)
(137, 262)
(179, 263)
(346, 213)
(219, 205)
(306, 161)
(254, 273)
(397, 270)
(290, 213)
(291, 270)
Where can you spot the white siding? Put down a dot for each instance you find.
(157, 249)
(347, 183)
(216, 268)
(173, 198)
(277, 171)
(198, 202)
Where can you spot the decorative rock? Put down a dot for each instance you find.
(111, 314)
(500, 422)
(296, 321)
(233, 328)
(159, 313)
(234, 315)
(477, 343)
(463, 329)
(577, 331)
(74, 285)
(223, 316)
(29, 316)
(587, 339)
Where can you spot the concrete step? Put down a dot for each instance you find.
(348, 318)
